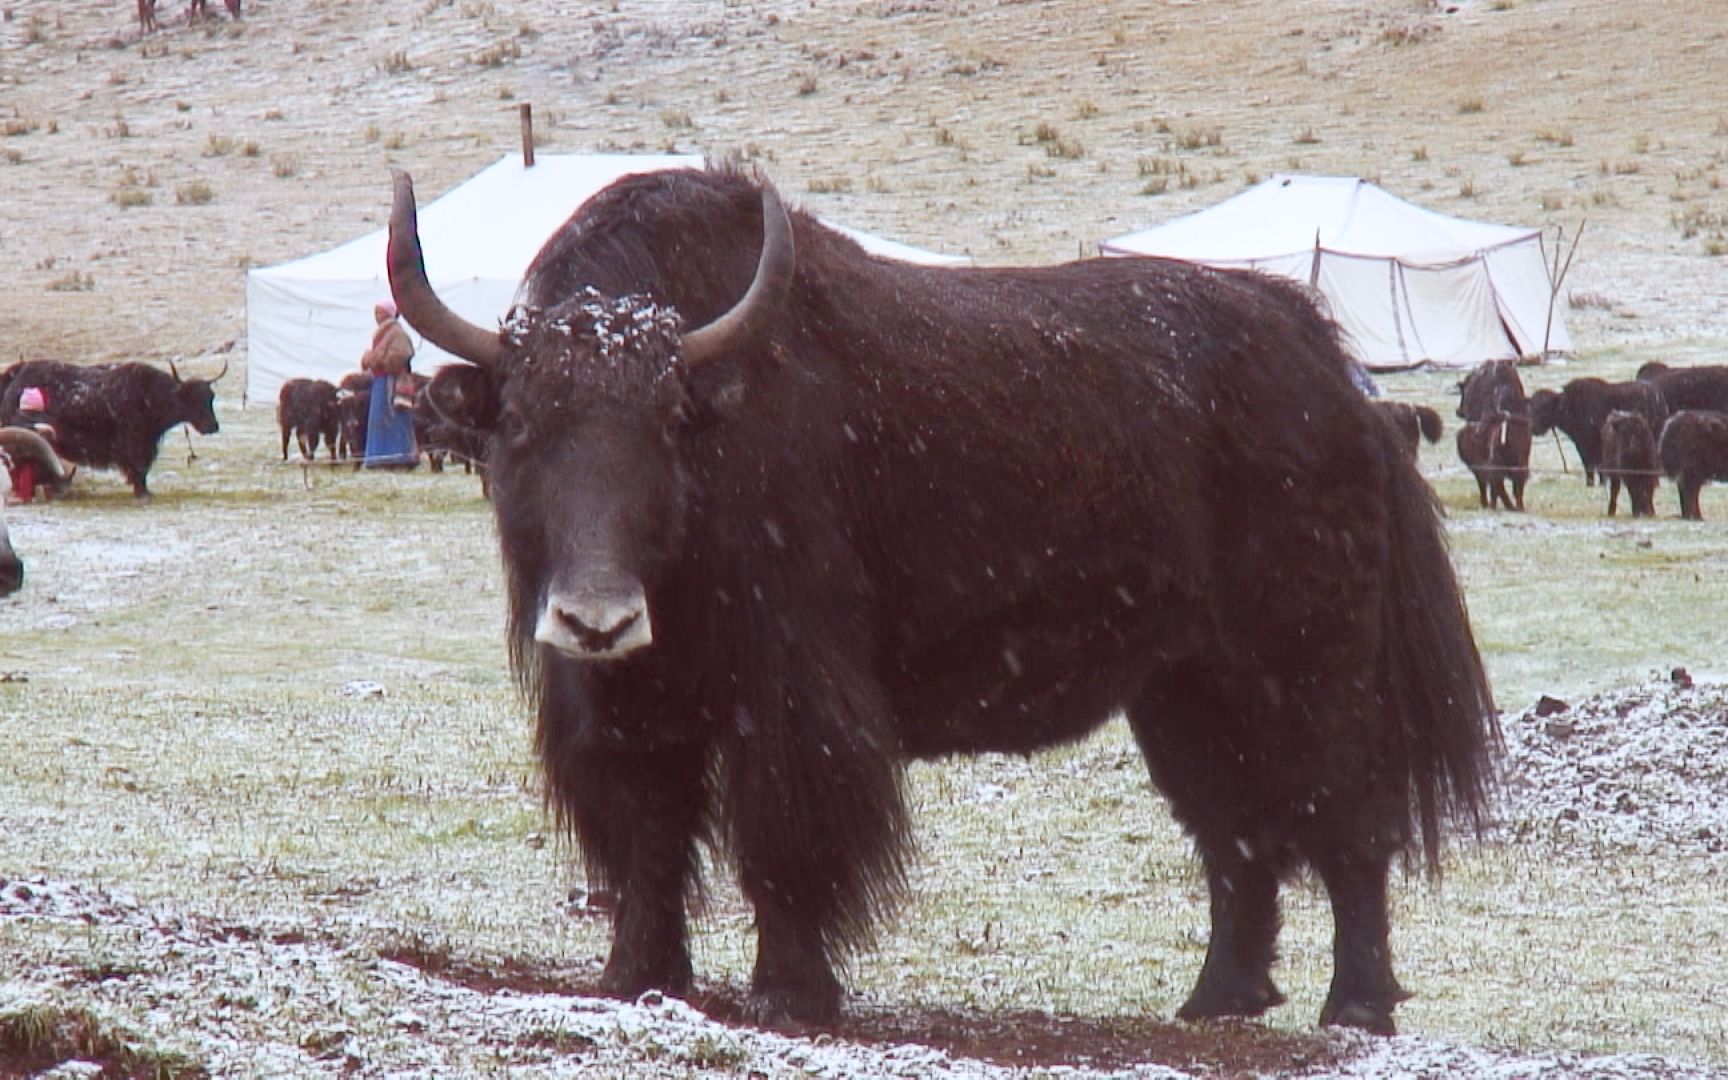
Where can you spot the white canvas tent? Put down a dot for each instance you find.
(312, 318)
(1408, 285)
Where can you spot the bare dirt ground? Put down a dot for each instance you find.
(166, 907)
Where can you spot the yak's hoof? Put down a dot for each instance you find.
(1374, 1019)
(1210, 1003)
(789, 1009)
(631, 983)
(1369, 1012)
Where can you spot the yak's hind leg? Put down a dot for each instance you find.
(1199, 751)
(1242, 885)
(1364, 990)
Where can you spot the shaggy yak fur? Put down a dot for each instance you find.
(1694, 451)
(110, 416)
(878, 512)
(1492, 389)
(1413, 422)
(1702, 386)
(307, 411)
(1581, 407)
(1629, 457)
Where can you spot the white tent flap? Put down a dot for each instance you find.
(1409, 285)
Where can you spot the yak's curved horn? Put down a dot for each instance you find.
(22, 442)
(413, 293)
(221, 373)
(174, 370)
(748, 316)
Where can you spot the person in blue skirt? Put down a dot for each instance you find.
(390, 418)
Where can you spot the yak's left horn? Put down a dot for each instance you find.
(413, 292)
(773, 281)
(22, 442)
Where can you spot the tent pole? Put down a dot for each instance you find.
(1554, 286)
(527, 112)
(1314, 267)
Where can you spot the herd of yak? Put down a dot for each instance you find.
(56, 417)
(1665, 422)
(310, 412)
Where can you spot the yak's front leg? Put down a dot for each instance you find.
(638, 816)
(818, 830)
(793, 981)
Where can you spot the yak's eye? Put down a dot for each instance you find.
(512, 427)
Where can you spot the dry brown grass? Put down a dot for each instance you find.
(828, 90)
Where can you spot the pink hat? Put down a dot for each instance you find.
(31, 399)
(387, 308)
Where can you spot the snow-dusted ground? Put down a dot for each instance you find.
(232, 995)
(1633, 770)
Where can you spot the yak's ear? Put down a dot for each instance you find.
(464, 396)
(715, 395)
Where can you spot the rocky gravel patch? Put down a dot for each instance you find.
(1643, 768)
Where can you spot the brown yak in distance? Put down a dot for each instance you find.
(778, 516)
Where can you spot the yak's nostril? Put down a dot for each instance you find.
(598, 639)
(592, 627)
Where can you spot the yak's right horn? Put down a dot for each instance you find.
(413, 293)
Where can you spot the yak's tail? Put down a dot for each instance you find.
(1432, 684)
(1429, 420)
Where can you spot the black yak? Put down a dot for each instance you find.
(778, 516)
(1413, 422)
(1582, 406)
(21, 448)
(439, 437)
(1694, 451)
(1701, 386)
(1497, 452)
(1492, 388)
(307, 411)
(1629, 458)
(353, 409)
(109, 416)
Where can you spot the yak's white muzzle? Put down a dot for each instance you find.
(595, 626)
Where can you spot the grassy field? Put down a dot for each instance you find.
(277, 697)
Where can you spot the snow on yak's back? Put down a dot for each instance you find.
(777, 516)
